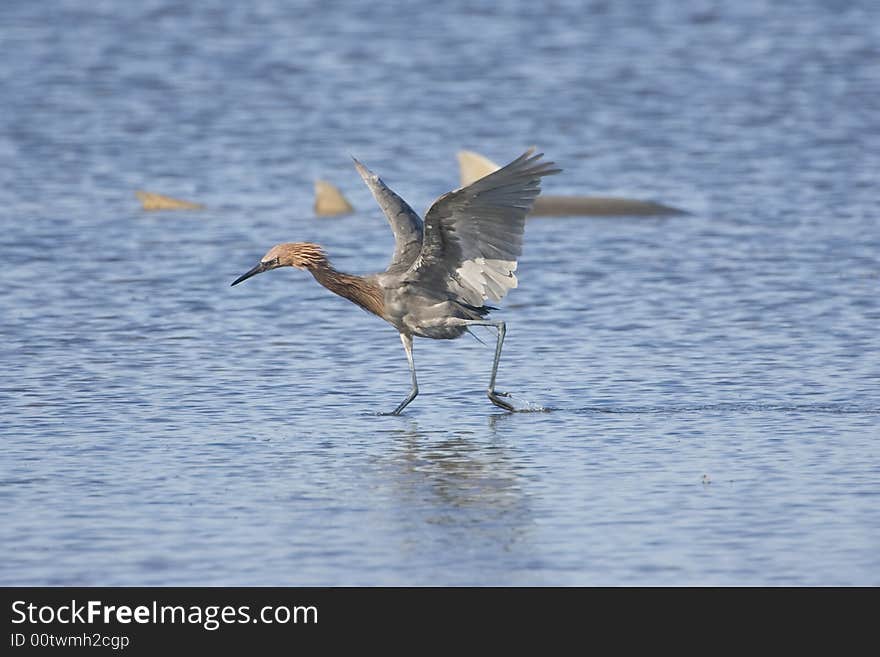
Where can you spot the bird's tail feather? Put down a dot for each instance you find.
(480, 311)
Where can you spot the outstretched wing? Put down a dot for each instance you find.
(405, 223)
(473, 235)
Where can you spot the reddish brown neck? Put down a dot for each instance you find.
(356, 289)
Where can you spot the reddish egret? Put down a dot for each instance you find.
(442, 270)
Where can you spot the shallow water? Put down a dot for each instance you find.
(711, 382)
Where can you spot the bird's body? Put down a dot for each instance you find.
(443, 269)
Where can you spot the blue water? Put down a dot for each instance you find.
(712, 380)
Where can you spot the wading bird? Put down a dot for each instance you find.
(443, 269)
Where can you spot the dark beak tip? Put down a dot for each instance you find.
(256, 270)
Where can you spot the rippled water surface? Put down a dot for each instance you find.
(711, 381)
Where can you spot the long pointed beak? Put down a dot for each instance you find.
(253, 272)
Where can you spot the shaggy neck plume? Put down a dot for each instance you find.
(356, 289)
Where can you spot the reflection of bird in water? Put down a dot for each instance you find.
(443, 269)
(459, 468)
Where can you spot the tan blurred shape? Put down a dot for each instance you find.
(329, 200)
(151, 201)
(473, 166)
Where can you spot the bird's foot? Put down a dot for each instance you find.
(495, 398)
(412, 395)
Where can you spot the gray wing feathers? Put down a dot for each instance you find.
(405, 223)
(473, 235)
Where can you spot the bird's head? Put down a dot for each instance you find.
(302, 255)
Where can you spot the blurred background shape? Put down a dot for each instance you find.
(329, 200)
(151, 201)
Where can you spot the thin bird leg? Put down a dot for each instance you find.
(407, 345)
(495, 397)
